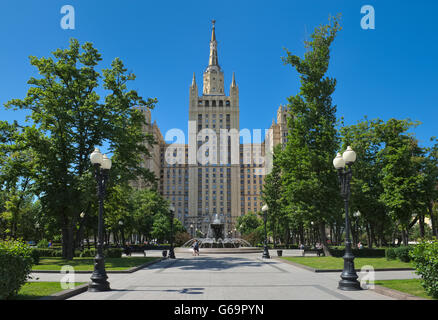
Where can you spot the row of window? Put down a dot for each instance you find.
(214, 103)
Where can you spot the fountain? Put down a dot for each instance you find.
(217, 241)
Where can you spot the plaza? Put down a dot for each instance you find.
(226, 277)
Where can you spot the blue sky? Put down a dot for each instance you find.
(387, 72)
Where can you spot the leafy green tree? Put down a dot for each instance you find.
(366, 186)
(309, 180)
(401, 173)
(272, 195)
(147, 203)
(69, 119)
(248, 223)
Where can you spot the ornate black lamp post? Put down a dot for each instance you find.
(265, 246)
(343, 164)
(171, 251)
(102, 165)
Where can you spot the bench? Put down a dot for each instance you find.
(312, 250)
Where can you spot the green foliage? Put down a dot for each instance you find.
(113, 252)
(309, 180)
(108, 253)
(425, 259)
(68, 119)
(402, 253)
(249, 223)
(49, 252)
(359, 253)
(181, 238)
(35, 254)
(390, 254)
(43, 244)
(15, 266)
(89, 253)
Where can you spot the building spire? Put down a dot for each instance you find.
(193, 80)
(213, 61)
(233, 83)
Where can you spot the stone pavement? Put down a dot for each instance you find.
(225, 277)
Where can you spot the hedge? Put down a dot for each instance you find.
(425, 259)
(390, 254)
(15, 266)
(402, 253)
(359, 253)
(108, 253)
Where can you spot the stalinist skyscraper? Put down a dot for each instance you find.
(213, 185)
(214, 173)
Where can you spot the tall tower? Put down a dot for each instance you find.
(214, 183)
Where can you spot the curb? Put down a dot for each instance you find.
(395, 293)
(336, 270)
(133, 269)
(66, 294)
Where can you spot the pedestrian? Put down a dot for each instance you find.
(196, 248)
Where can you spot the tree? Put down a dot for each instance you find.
(248, 223)
(272, 195)
(309, 180)
(366, 186)
(147, 203)
(401, 173)
(69, 119)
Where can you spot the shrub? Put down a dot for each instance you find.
(88, 253)
(43, 244)
(402, 253)
(390, 254)
(359, 253)
(108, 253)
(15, 266)
(113, 252)
(425, 258)
(49, 252)
(35, 254)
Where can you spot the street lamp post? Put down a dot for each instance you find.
(343, 164)
(171, 251)
(122, 233)
(265, 246)
(102, 165)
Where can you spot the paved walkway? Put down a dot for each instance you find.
(225, 277)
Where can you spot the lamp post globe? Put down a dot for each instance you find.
(265, 209)
(96, 157)
(343, 164)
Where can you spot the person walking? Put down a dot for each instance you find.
(196, 248)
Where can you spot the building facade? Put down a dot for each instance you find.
(214, 174)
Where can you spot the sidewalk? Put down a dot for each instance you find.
(227, 277)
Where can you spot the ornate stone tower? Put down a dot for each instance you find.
(214, 184)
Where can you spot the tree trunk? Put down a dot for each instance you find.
(421, 223)
(67, 240)
(405, 237)
(370, 240)
(433, 220)
(323, 238)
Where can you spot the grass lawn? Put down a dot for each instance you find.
(325, 263)
(410, 286)
(36, 290)
(87, 264)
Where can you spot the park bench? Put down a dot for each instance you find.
(312, 250)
